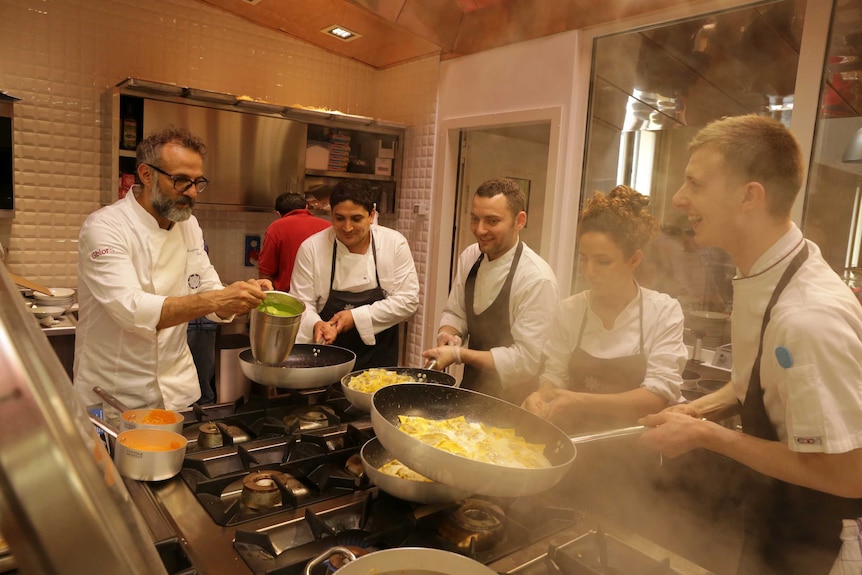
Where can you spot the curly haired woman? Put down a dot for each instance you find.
(616, 351)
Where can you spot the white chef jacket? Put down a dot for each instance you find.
(127, 267)
(355, 273)
(533, 302)
(815, 404)
(663, 325)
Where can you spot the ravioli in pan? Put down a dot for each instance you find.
(398, 469)
(373, 379)
(476, 441)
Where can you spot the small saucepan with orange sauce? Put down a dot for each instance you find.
(146, 454)
(146, 418)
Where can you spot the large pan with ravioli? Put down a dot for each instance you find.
(441, 402)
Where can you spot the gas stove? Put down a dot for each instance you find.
(270, 483)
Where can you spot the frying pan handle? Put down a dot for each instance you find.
(110, 399)
(622, 432)
(337, 550)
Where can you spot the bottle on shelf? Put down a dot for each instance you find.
(129, 139)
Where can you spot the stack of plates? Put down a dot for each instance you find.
(60, 297)
(712, 324)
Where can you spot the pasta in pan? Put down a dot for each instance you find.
(476, 441)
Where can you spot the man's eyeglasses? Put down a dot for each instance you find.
(182, 184)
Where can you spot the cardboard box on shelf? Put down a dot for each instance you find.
(317, 156)
(383, 167)
(386, 150)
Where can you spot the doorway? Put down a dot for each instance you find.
(455, 182)
(519, 152)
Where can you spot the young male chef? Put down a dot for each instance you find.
(357, 280)
(797, 353)
(502, 301)
(143, 274)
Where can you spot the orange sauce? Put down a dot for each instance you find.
(150, 444)
(159, 417)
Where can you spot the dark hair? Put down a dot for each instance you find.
(149, 151)
(759, 149)
(288, 202)
(515, 197)
(357, 191)
(622, 215)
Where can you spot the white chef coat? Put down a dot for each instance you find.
(663, 325)
(532, 304)
(127, 267)
(355, 273)
(815, 404)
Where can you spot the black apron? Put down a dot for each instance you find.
(382, 354)
(490, 329)
(789, 530)
(589, 374)
(606, 468)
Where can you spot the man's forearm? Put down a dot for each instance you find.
(181, 309)
(718, 405)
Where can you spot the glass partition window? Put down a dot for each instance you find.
(652, 90)
(833, 218)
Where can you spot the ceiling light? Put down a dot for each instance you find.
(341, 33)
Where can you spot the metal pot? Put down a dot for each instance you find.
(163, 419)
(146, 454)
(272, 336)
(404, 560)
(362, 400)
(374, 456)
(442, 402)
(307, 367)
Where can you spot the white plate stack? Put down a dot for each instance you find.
(712, 324)
(60, 297)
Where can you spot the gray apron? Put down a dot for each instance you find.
(382, 354)
(789, 530)
(490, 329)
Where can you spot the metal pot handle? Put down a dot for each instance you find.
(337, 550)
(622, 432)
(110, 399)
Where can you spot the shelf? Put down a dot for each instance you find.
(354, 175)
(128, 154)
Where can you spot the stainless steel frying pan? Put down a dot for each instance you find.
(374, 456)
(443, 402)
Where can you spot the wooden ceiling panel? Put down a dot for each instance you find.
(382, 44)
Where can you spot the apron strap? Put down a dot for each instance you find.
(373, 254)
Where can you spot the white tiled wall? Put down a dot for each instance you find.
(61, 56)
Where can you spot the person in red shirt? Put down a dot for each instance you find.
(283, 238)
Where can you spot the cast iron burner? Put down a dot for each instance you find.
(476, 525)
(263, 489)
(311, 417)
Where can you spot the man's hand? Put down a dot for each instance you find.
(445, 355)
(324, 332)
(240, 297)
(342, 321)
(673, 433)
(448, 336)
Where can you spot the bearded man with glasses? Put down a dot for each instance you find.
(143, 274)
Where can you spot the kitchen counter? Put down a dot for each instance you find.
(66, 325)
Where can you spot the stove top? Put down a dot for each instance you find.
(270, 483)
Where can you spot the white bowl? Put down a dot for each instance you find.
(56, 292)
(47, 311)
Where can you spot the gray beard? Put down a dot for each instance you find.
(169, 209)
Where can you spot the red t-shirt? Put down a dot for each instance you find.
(281, 243)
